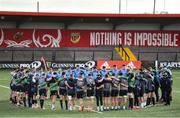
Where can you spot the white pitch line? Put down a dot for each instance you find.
(4, 87)
(176, 91)
(91, 110)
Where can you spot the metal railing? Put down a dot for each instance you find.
(10, 54)
(123, 52)
(157, 53)
(53, 54)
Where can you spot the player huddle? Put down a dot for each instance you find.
(112, 89)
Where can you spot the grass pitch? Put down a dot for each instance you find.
(9, 110)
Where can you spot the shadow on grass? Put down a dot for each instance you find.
(9, 110)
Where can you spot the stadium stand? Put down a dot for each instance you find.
(89, 22)
(143, 54)
(39, 54)
(22, 55)
(6, 55)
(64, 55)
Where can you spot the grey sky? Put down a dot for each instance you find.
(91, 6)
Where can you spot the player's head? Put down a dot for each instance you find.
(132, 76)
(115, 66)
(37, 75)
(77, 66)
(141, 69)
(81, 74)
(98, 75)
(51, 69)
(69, 69)
(106, 76)
(42, 69)
(104, 67)
(63, 73)
(165, 74)
(54, 74)
(71, 77)
(86, 67)
(120, 73)
(43, 73)
(94, 68)
(89, 75)
(113, 74)
(123, 66)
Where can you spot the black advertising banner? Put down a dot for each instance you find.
(54, 65)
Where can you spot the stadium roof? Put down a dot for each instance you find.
(70, 18)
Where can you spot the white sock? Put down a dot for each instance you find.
(112, 107)
(145, 103)
(101, 108)
(52, 107)
(70, 108)
(98, 109)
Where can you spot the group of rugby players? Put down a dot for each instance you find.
(112, 89)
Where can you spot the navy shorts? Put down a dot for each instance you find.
(19, 88)
(80, 94)
(130, 90)
(106, 93)
(123, 93)
(63, 92)
(114, 93)
(71, 92)
(42, 92)
(53, 92)
(34, 91)
(90, 93)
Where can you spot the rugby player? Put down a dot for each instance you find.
(63, 92)
(80, 89)
(42, 85)
(90, 91)
(114, 92)
(99, 92)
(70, 84)
(107, 92)
(123, 90)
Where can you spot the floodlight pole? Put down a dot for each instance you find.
(154, 8)
(164, 5)
(119, 6)
(37, 6)
(126, 5)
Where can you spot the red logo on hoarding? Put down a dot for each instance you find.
(109, 64)
(75, 37)
(18, 35)
(106, 65)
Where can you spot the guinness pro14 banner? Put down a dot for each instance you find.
(54, 65)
